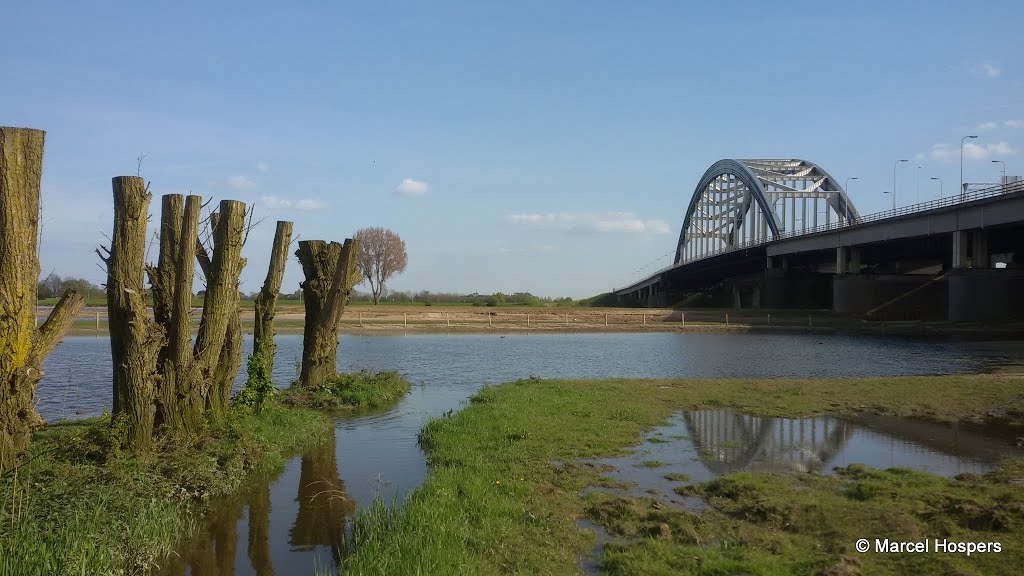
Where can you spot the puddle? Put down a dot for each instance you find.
(701, 445)
(245, 535)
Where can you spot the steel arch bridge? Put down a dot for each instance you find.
(745, 202)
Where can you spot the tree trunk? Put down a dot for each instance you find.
(135, 340)
(219, 306)
(229, 362)
(162, 277)
(21, 168)
(326, 268)
(172, 304)
(230, 359)
(266, 300)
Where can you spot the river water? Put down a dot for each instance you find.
(292, 522)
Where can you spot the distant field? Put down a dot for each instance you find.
(296, 305)
(464, 317)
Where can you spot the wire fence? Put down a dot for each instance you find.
(540, 319)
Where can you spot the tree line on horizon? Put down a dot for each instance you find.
(54, 285)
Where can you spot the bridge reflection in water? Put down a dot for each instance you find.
(702, 445)
(729, 442)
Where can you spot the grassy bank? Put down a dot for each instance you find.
(503, 494)
(361, 390)
(83, 507)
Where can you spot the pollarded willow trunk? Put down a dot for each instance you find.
(171, 280)
(229, 362)
(266, 300)
(220, 307)
(325, 290)
(135, 340)
(22, 347)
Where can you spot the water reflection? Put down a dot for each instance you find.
(729, 442)
(701, 445)
(319, 510)
(214, 551)
(258, 548)
(323, 503)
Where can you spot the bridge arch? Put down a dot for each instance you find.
(740, 202)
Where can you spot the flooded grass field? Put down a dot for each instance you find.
(297, 519)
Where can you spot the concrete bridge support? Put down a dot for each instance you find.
(977, 292)
(986, 295)
(970, 249)
(795, 289)
(858, 294)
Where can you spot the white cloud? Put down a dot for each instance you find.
(985, 126)
(974, 151)
(241, 183)
(607, 222)
(1000, 148)
(262, 167)
(943, 152)
(1014, 123)
(991, 70)
(411, 188)
(304, 204)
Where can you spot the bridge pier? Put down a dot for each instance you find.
(978, 292)
(858, 294)
(782, 288)
(986, 295)
(847, 260)
(970, 249)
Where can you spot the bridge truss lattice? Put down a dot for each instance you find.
(746, 202)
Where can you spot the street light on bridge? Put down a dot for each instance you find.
(1002, 182)
(894, 165)
(917, 197)
(962, 163)
(940, 184)
(848, 198)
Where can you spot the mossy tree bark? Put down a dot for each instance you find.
(197, 378)
(211, 387)
(22, 347)
(325, 291)
(229, 362)
(266, 300)
(171, 280)
(135, 340)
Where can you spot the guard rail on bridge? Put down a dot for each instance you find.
(970, 196)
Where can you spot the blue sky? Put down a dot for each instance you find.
(530, 145)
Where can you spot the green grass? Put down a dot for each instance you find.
(502, 496)
(82, 507)
(787, 524)
(361, 390)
